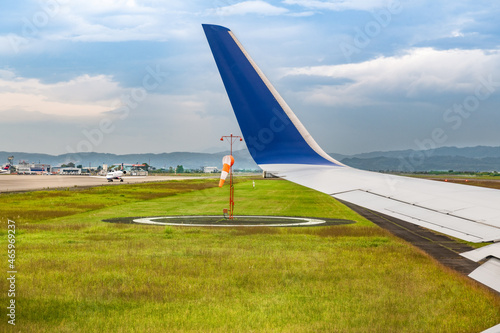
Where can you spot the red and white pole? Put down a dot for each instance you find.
(232, 139)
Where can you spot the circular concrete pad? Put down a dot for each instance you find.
(238, 221)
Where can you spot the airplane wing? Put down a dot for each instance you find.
(281, 145)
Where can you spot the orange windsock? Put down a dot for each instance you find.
(227, 162)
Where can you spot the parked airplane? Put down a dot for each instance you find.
(5, 169)
(281, 145)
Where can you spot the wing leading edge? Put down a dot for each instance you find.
(280, 144)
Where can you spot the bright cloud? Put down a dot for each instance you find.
(337, 5)
(94, 20)
(106, 7)
(83, 96)
(9, 44)
(250, 7)
(418, 73)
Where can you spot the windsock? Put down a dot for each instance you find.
(227, 162)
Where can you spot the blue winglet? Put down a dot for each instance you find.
(272, 132)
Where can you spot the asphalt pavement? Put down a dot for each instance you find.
(20, 183)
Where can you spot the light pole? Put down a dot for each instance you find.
(232, 139)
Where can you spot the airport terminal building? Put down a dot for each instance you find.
(25, 168)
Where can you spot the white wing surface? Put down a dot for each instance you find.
(466, 212)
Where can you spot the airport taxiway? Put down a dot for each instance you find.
(19, 183)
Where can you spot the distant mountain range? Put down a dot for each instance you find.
(480, 158)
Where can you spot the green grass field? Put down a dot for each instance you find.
(78, 274)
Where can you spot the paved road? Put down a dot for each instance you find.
(15, 183)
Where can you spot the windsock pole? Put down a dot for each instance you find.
(232, 139)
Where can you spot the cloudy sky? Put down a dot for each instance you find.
(138, 76)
